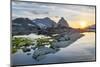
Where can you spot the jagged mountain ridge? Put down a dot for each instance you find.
(44, 23)
(27, 26)
(23, 26)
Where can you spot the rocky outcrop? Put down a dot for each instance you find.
(66, 40)
(42, 51)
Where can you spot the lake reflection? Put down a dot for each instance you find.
(81, 50)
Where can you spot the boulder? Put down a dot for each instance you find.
(42, 51)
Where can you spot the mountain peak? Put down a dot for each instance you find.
(62, 18)
(44, 22)
(63, 23)
(46, 18)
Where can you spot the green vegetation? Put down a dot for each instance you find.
(14, 50)
(18, 42)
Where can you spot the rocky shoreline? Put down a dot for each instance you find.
(39, 53)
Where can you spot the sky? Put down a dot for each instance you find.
(77, 16)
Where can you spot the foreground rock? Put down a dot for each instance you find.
(64, 42)
(41, 52)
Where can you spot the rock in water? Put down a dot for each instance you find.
(66, 40)
(26, 49)
(42, 51)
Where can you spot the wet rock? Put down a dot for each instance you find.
(26, 49)
(33, 48)
(28, 53)
(42, 51)
(39, 57)
(61, 44)
(67, 40)
(62, 39)
(75, 36)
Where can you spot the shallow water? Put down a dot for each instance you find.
(81, 50)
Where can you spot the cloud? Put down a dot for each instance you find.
(34, 10)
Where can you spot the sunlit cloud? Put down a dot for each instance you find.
(72, 13)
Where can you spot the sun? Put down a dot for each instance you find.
(83, 24)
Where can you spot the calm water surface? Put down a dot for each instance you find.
(81, 50)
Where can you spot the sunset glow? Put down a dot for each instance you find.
(83, 24)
